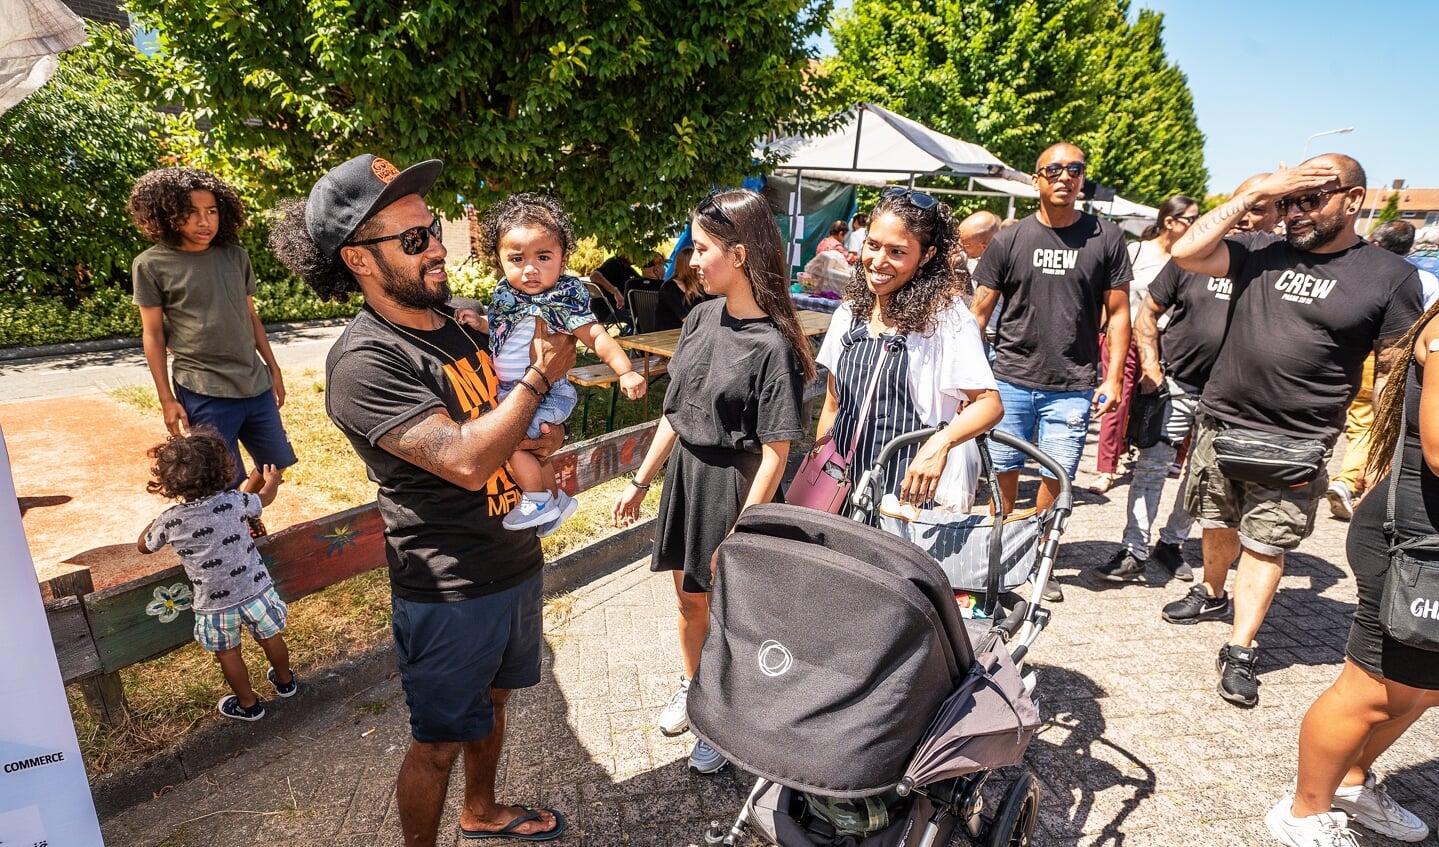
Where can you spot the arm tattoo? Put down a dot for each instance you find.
(1221, 218)
(1386, 354)
(427, 441)
(1146, 334)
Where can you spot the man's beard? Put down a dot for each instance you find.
(413, 292)
(1323, 231)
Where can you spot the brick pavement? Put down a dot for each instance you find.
(1137, 748)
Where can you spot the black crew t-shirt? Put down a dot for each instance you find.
(1054, 283)
(1199, 314)
(443, 543)
(735, 383)
(1302, 325)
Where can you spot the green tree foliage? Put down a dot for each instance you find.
(1016, 77)
(1390, 212)
(69, 154)
(627, 112)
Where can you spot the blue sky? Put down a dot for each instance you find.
(1266, 74)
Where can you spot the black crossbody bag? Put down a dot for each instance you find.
(1267, 459)
(1409, 606)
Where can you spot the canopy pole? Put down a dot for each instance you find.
(858, 135)
(796, 216)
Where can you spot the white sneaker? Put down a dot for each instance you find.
(1370, 806)
(566, 506)
(1330, 829)
(706, 759)
(675, 718)
(1341, 502)
(534, 508)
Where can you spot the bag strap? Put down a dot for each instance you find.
(1390, 532)
(868, 396)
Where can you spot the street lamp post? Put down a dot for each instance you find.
(1305, 155)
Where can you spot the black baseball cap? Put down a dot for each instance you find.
(351, 193)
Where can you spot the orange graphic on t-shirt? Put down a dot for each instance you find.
(476, 392)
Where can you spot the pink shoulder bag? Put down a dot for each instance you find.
(823, 480)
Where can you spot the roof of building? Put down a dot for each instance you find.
(1410, 199)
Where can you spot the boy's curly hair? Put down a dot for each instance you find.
(190, 467)
(160, 203)
(524, 210)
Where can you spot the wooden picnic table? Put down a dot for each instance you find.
(663, 343)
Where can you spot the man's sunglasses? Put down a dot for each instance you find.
(1075, 169)
(413, 241)
(916, 198)
(1307, 202)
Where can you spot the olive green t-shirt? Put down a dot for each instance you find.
(207, 317)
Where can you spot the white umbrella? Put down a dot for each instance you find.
(32, 34)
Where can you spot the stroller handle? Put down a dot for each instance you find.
(865, 493)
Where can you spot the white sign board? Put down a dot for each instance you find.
(44, 794)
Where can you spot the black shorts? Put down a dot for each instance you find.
(452, 654)
(1369, 646)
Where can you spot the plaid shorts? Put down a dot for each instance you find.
(264, 615)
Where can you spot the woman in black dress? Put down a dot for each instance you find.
(679, 294)
(732, 408)
(1384, 685)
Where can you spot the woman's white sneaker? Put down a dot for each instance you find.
(675, 717)
(1330, 829)
(1370, 806)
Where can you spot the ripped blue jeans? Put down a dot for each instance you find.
(1056, 421)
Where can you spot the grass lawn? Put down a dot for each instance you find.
(171, 695)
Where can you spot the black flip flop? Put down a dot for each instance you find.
(531, 814)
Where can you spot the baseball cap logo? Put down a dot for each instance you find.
(383, 170)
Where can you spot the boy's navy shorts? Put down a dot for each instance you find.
(452, 654)
(252, 421)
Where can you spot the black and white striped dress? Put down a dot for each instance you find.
(892, 412)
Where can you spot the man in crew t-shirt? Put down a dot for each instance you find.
(1059, 271)
(1307, 308)
(414, 391)
(1198, 309)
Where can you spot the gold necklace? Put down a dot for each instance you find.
(433, 346)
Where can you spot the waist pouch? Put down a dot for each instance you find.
(1264, 458)
(1409, 606)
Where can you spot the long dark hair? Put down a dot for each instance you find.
(1384, 434)
(1171, 208)
(741, 216)
(328, 276)
(916, 305)
(686, 277)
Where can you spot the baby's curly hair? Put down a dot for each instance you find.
(915, 306)
(519, 210)
(190, 467)
(160, 203)
(291, 243)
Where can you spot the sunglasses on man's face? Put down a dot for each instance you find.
(413, 241)
(916, 198)
(1307, 202)
(1074, 169)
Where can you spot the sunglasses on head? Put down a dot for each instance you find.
(1307, 202)
(1075, 169)
(413, 241)
(916, 198)
(711, 208)
(1189, 219)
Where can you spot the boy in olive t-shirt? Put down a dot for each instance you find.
(195, 291)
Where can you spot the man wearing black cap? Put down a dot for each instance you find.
(414, 392)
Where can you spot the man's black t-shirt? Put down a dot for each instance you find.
(1199, 316)
(443, 543)
(1054, 283)
(1302, 326)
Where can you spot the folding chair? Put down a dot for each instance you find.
(643, 306)
(605, 312)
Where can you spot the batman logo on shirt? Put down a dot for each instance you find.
(202, 532)
(186, 552)
(259, 576)
(172, 523)
(241, 569)
(211, 563)
(230, 539)
(223, 507)
(219, 595)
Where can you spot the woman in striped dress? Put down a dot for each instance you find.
(902, 310)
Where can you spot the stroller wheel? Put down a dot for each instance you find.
(1013, 824)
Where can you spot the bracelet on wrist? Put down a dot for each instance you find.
(533, 390)
(643, 486)
(548, 384)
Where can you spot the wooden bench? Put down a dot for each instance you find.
(601, 375)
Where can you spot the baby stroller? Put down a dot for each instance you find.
(839, 669)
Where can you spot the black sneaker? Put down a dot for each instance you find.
(1237, 682)
(1168, 557)
(1121, 568)
(287, 689)
(1196, 606)
(230, 707)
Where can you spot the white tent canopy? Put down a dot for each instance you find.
(875, 146)
(32, 34)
